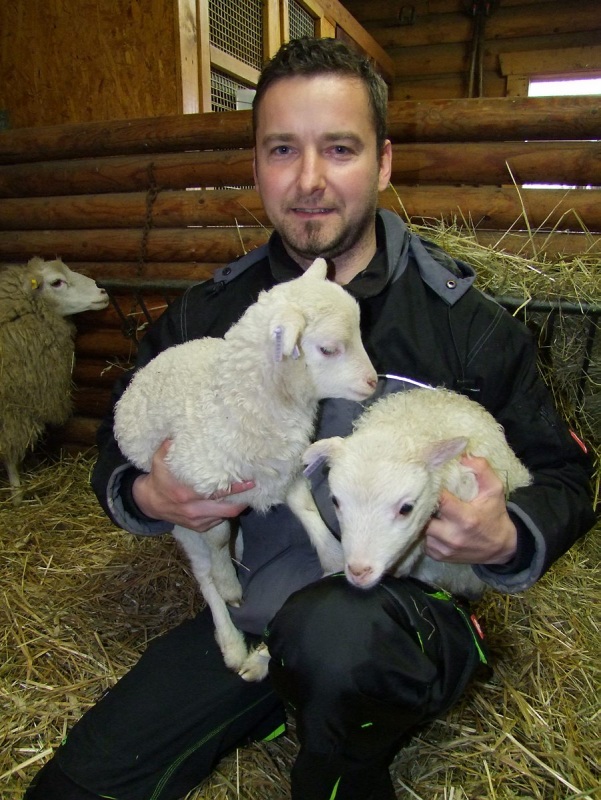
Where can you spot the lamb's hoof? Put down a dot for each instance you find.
(256, 666)
(232, 597)
(235, 653)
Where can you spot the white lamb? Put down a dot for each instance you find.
(36, 352)
(386, 478)
(243, 408)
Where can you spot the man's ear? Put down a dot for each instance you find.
(385, 170)
(255, 166)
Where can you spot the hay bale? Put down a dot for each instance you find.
(82, 599)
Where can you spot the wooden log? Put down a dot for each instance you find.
(91, 372)
(159, 274)
(106, 343)
(91, 401)
(167, 244)
(506, 23)
(475, 119)
(497, 207)
(500, 208)
(431, 162)
(219, 168)
(78, 433)
(555, 245)
(228, 129)
(126, 311)
(130, 210)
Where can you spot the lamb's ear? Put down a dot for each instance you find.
(439, 453)
(320, 451)
(318, 269)
(286, 330)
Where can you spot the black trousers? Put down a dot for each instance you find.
(359, 670)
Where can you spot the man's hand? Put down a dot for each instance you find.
(478, 532)
(160, 496)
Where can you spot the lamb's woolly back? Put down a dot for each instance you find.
(387, 476)
(245, 404)
(416, 419)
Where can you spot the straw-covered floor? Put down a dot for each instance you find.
(81, 599)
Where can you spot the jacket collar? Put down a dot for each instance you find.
(448, 278)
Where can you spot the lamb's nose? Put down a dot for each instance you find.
(359, 571)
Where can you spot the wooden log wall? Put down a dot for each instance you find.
(148, 206)
(431, 42)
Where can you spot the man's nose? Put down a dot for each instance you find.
(312, 174)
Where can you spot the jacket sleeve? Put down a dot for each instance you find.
(553, 512)
(113, 475)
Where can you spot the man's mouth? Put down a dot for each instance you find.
(315, 211)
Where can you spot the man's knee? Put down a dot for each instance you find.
(396, 649)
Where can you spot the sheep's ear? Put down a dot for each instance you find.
(320, 451)
(439, 453)
(286, 330)
(318, 269)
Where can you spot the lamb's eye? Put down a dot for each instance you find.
(56, 284)
(405, 509)
(328, 351)
(335, 502)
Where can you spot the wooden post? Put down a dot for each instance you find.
(187, 62)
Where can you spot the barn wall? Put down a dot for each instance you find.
(80, 60)
(148, 206)
(431, 42)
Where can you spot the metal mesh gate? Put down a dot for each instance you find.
(223, 91)
(300, 21)
(236, 27)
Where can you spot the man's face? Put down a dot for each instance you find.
(317, 168)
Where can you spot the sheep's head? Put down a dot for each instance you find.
(68, 292)
(383, 499)
(318, 320)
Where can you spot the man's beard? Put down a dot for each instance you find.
(313, 242)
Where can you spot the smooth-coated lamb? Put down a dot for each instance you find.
(386, 478)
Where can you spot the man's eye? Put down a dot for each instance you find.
(281, 150)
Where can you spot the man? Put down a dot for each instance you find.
(359, 670)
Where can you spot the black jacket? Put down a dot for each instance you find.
(421, 318)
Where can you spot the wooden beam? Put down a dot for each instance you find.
(552, 62)
(498, 207)
(187, 62)
(192, 244)
(475, 119)
(336, 12)
(204, 56)
(233, 67)
(431, 162)
(272, 28)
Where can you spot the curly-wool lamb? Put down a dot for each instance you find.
(243, 408)
(386, 478)
(36, 351)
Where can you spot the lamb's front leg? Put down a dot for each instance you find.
(301, 503)
(199, 551)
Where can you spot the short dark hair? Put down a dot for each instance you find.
(308, 56)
